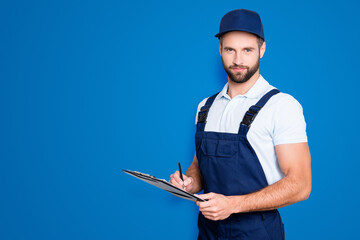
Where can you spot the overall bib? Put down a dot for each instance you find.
(229, 166)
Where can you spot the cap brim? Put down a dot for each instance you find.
(242, 30)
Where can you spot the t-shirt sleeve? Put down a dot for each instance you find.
(201, 104)
(289, 123)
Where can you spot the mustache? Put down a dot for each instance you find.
(239, 66)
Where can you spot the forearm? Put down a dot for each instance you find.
(194, 172)
(287, 191)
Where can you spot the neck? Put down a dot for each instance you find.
(242, 88)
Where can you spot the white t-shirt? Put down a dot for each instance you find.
(280, 121)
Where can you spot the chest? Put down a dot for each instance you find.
(225, 115)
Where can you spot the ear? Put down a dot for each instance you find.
(220, 49)
(262, 49)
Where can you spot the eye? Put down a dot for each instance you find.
(247, 50)
(228, 49)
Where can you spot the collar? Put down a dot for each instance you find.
(256, 91)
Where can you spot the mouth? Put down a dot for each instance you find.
(238, 69)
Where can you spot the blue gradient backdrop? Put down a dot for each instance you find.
(88, 88)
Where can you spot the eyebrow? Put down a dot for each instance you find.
(251, 48)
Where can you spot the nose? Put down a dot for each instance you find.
(238, 59)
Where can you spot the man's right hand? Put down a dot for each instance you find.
(176, 181)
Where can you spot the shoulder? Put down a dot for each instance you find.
(283, 102)
(202, 103)
(214, 97)
(287, 119)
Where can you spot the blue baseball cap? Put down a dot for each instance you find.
(241, 20)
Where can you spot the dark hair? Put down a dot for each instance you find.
(260, 41)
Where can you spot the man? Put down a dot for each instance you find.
(252, 155)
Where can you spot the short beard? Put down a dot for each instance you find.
(241, 77)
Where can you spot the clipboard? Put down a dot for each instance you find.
(164, 185)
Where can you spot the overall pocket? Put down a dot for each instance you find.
(219, 148)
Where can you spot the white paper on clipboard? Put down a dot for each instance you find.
(164, 185)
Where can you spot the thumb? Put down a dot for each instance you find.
(188, 181)
(206, 195)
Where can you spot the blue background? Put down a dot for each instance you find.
(88, 88)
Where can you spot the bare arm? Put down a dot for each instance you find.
(192, 178)
(194, 172)
(294, 161)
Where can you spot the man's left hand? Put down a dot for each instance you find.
(218, 207)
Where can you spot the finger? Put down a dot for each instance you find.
(183, 175)
(174, 182)
(188, 181)
(200, 203)
(211, 216)
(204, 205)
(174, 177)
(206, 196)
(207, 209)
(177, 178)
(171, 179)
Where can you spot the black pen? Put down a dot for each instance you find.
(181, 176)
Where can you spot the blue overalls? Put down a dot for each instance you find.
(229, 166)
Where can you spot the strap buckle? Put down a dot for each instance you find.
(202, 116)
(250, 115)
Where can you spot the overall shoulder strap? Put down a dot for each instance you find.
(203, 113)
(254, 110)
